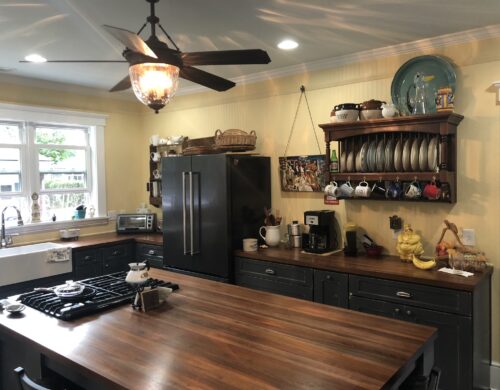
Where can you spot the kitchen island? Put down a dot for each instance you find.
(215, 335)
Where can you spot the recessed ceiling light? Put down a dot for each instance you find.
(288, 44)
(35, 58)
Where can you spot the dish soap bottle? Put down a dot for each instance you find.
(334, 162)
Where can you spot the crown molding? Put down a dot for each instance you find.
(477, 34)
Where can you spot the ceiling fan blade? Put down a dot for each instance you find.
(122, 85)
(226, 57)
(206, 79)
(75, 61)
(130, 40)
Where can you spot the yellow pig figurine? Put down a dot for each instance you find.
(409, 244)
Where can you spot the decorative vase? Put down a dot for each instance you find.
(272, 235)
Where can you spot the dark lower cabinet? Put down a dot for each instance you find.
(152, 253)
(453, 346)
(277, 278)
(102, 260)
(331, 288)
(463, 318)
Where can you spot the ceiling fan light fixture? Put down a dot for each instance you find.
(154, 84)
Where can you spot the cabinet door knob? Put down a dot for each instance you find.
(397, 310)
(106, 265)
(328, 277)
(408, 312)
(151, 252)
(403, 294)
(87, 258)
(270, 271)
(115, 253)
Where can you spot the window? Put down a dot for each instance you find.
(58, 155)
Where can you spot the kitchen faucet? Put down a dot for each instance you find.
(7, 240)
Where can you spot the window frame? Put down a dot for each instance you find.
(29, 116)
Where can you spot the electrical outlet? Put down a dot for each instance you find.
(395, 234)
(469, 237)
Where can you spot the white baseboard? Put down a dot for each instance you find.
(495, 376)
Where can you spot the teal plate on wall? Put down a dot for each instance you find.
(403, 87)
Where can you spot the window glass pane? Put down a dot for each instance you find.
(10, 170)
(62, 168)
(10, 213)
(58, 136)
(10, 133)
(61, 205)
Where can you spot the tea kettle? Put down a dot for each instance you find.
(138, 273)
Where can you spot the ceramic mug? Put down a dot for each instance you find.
(155, 156)
(155, 138)
(163, 141)
(272, 237)
(378, 189)
(394, 191)
(332, 189)
(432, 191)
(362, 190)
(157, 174)
(413, 191)
(249, 244)
(346, 190)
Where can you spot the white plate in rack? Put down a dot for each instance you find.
(342, 162)
(370, 160)
(405, 159)
(398, 154)
(414, 154)
(380, 156)
(389, 156)
(422, 156)
(349, 165)
(432, 154)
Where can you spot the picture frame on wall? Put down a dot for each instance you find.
(303, 173)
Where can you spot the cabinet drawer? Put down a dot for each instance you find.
(117, 251)
(273, 271)
(149, 250)
(86, 256)
(435, 298)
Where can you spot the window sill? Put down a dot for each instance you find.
(57, 225)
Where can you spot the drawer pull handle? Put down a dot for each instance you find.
(151, 252)
(270, 271)
(403, 294)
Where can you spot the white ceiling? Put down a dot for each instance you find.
(70, 29)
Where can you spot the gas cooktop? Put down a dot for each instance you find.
(99, 293)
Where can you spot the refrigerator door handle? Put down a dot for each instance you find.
(191, 219)
(184, 212)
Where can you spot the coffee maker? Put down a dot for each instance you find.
(322, 236)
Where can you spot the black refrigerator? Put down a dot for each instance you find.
(210, 203)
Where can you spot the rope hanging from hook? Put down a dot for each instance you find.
(302, 93)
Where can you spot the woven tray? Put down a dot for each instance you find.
(235, 137)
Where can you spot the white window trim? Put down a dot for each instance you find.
(97, 123)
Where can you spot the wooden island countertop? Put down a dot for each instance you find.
(214, 335)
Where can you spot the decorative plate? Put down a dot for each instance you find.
(432, 154)
(406, 155)
(370, 161)
(403, 88)
(379, 158)
(342, 162)
(350, 162)
(398, 152)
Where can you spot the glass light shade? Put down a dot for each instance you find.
(154, 84)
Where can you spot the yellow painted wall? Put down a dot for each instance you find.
(123, 140)
(269, 107)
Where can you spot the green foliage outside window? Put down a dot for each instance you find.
(53, 138)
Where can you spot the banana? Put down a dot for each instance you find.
(423, 264)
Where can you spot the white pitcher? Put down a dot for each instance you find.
(272, 237)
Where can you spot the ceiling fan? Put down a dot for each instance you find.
(155, 67)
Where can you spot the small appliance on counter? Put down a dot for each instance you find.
(136, 223)
(294, 234)
(322, 237)
(351, 248)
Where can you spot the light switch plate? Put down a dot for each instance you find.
(469, 237)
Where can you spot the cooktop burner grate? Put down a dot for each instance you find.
(100, 293)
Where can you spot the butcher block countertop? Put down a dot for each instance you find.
(384, 267)
(114, 238)
(214, 335)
